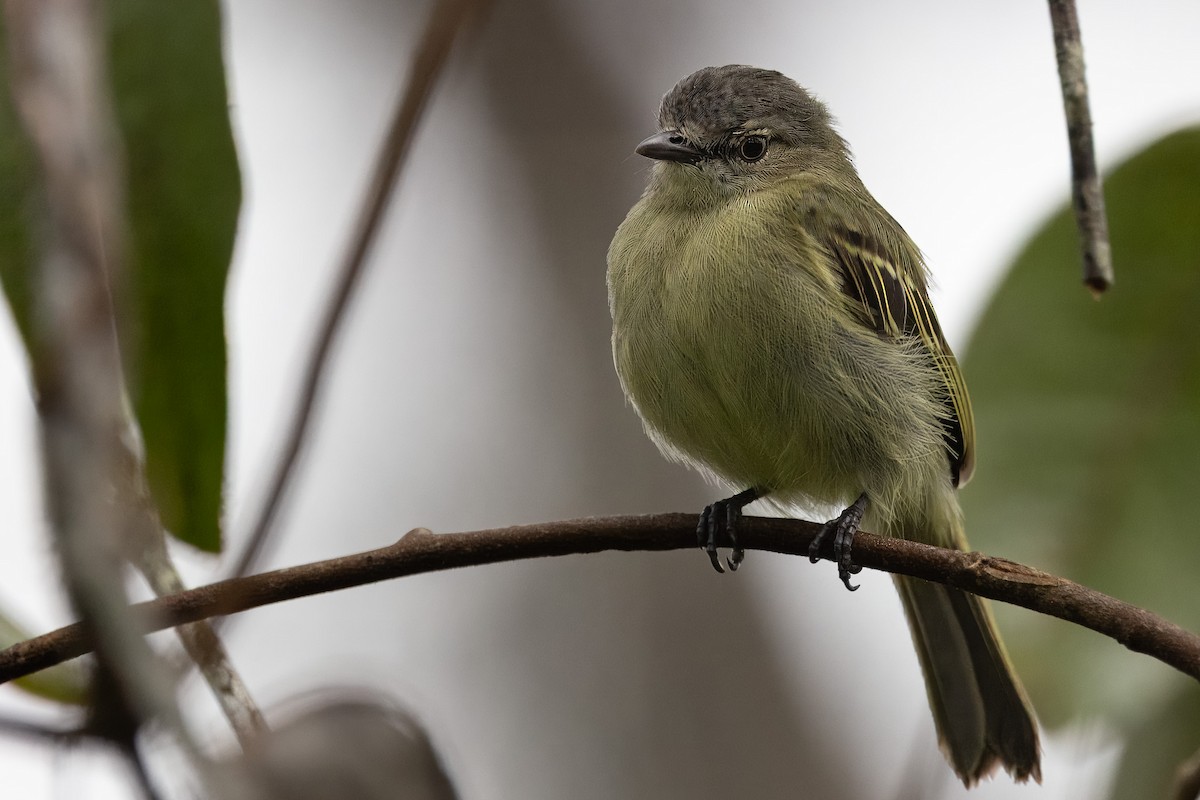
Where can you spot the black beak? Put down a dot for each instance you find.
(669, 146)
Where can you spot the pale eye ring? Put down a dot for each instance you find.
(752, 148)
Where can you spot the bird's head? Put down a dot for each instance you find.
(737, 129)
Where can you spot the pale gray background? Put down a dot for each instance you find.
(473, 385)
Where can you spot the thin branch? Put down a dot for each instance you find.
(95, 483)
(199, 639)
(421, 551)
(25, 729)
(1086, 191)
(71, 736)
(58, 85)
(139, 769)
(447, 18)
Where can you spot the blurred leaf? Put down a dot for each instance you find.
(64, 683)
(19, 195)
(183, 192)
(1089, 425)
(183, 196)
(361, 747)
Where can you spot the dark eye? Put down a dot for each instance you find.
(753, 148)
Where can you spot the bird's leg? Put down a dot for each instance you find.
(843, 529)
(718, 524)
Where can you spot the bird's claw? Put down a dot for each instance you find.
(706, 534)
(843, 529)
(718, 526)
(735, 558)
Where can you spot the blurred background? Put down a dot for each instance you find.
(473, 384)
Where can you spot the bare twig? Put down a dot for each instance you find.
(1086, 191)
(59, 89)
(447, 19)
(95, 480)
(421, 551)
(141, 771)
(35, 730)
(200, 641)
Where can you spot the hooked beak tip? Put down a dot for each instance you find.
(669, 146)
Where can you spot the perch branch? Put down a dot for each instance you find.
(1086, 192)
(421, 551)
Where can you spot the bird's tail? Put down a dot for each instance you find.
(983, 717)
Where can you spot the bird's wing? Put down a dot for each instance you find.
(896, 303)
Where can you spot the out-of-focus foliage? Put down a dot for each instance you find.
(183, 192)
(352, 747)
(1166, 736)
(64, 683)
(1089, 427)
(19, 201)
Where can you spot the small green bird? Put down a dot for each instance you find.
(772, 327)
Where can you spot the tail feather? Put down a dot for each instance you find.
(983, 718)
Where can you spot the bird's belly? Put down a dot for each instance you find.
(741, 363)
(739, 383)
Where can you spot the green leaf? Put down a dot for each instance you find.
(20, 197)
(183, 195)
(63, 683)
(1088, 416)
(183, 191)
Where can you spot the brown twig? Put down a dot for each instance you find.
(56, 60)
(11, 726)
(1086, 191)
(199, 639)
(446, 20)
(95, 481)
(421, 551)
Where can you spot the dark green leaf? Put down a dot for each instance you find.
(1089, 427)
(183, 195)
(183, 192)
(19, 198)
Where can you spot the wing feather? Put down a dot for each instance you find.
(896, 304)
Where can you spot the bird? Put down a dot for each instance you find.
(772, 328)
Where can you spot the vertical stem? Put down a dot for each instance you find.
(1086, 192)
(201, 641)
(59, 87)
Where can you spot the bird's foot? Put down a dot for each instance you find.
(718, 527)
(843, 529)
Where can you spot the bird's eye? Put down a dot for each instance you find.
(753, 148)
